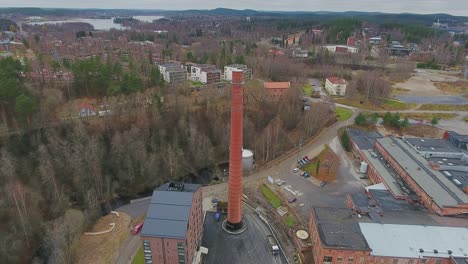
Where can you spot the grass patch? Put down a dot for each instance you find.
(194, 83)
(458, 87)
(290, 221)
(343, 113)
(443, 107)
(307, 89)
(387, 104)
(139, 257)
(272, 197)
(356, 102)
(391, 104)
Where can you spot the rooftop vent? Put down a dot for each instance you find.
(436, 251)
(449, 251)
(421, 250)
(176, 186)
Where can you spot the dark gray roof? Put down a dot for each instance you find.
(462, 138)
(169, 212)
(432, 145)
(460, 260)
(338, 229)
(364, 140)
(164, 228)
(434, 183)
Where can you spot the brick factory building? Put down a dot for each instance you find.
(276, 90)
(430, 172)
(173, 226)
(341, 237)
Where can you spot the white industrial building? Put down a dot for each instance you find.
(335, 86)
(228, 69)
(196, 71)
(173, 73)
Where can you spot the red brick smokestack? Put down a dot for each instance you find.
(234, 220)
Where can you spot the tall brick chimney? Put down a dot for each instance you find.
(234, 219)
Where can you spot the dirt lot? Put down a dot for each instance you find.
(422, 83)
(101, 248)
(413, 130)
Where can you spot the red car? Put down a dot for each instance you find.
(292, 200)
(137, 228)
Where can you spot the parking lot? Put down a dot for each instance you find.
(309, 192)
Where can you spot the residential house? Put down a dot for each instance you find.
(340, 49)
(335, 86)
(87, 110)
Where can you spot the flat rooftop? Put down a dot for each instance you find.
(387, 176)
(406, 241)
(432, 145)
(364, 140)
(169, 211)
(338, 229)
(434, 183)
(249, 247)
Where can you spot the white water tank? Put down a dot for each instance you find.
(247, 159)
(363, 168)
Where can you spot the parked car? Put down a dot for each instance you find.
(137, 228)
(306, 175)
(323, 184)
(281, 183)
(306, 157)
(296, 170)
(292, 200)
(302, 174)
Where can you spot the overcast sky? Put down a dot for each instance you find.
(455, 7)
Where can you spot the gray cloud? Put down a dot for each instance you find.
(455, 7)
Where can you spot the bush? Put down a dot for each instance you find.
(429, 65)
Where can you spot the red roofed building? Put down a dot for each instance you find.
(335, 86)
(87, 109)
(276, 90)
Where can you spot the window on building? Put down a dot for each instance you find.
(438, 261)
(147, 251)
(339, 259)
(327, 259)
(395, 261)
(361, 260)
(350, 259)
(423, 261)
(181, 252)
(410, 261)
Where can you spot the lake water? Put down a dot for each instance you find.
(99, 24)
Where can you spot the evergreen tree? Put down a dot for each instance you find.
(345, 141)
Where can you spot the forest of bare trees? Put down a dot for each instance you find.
(74, 170)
